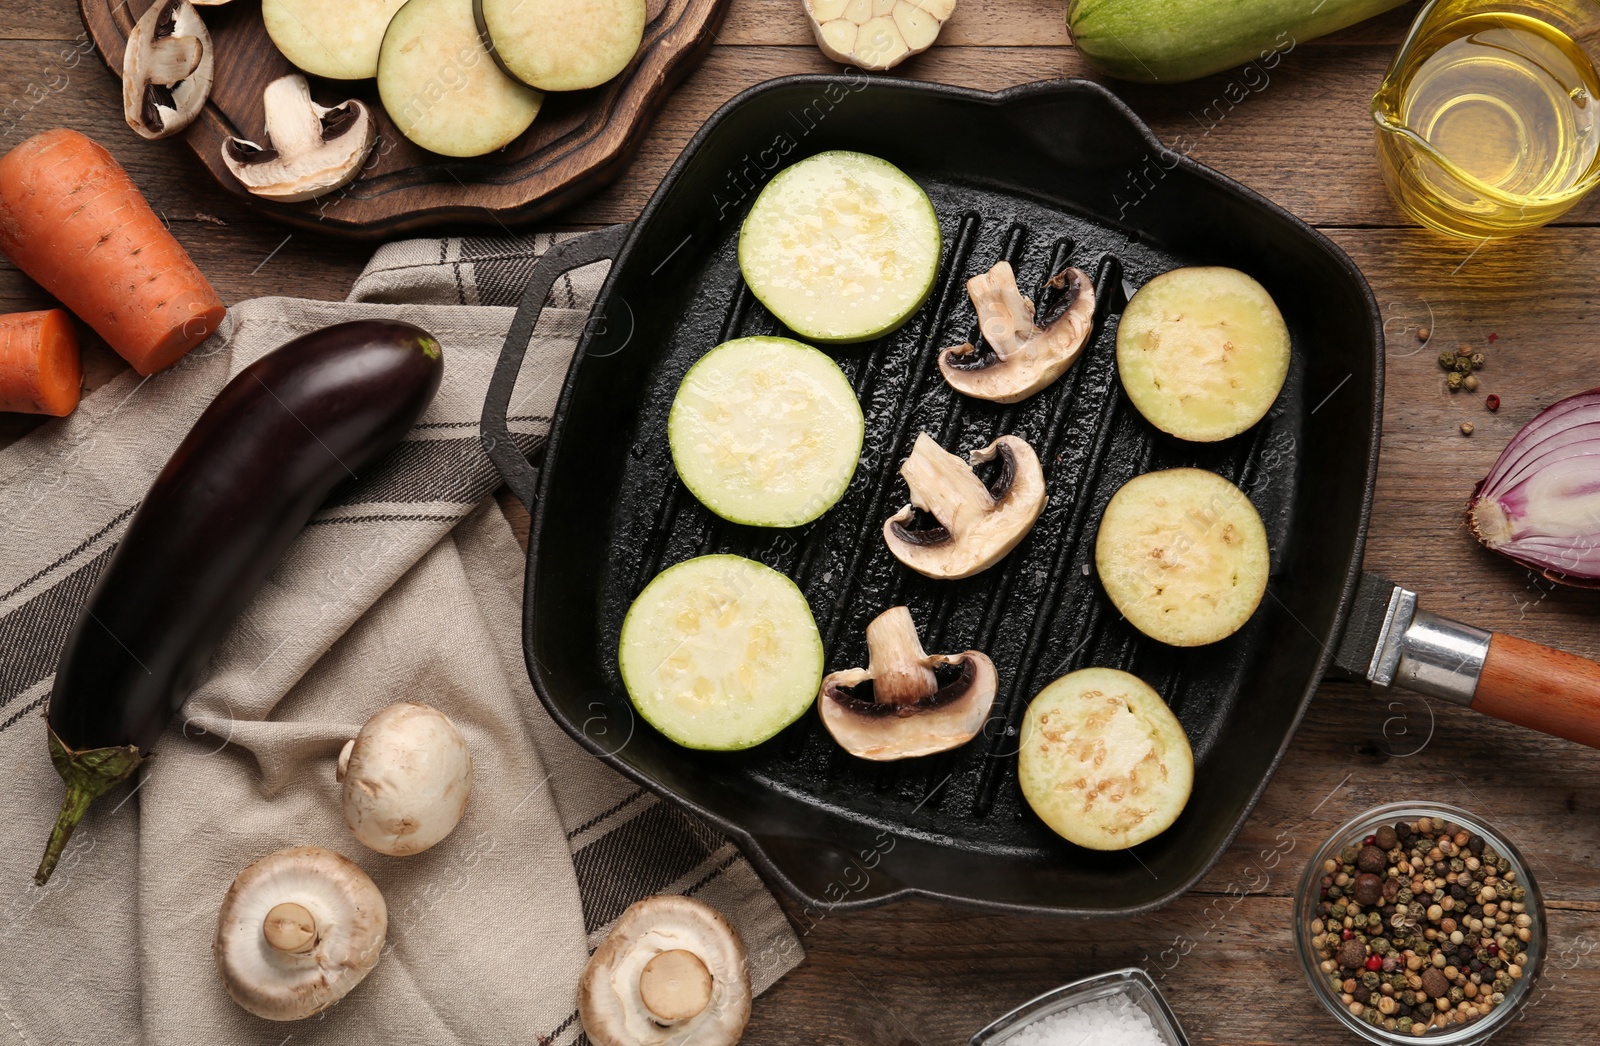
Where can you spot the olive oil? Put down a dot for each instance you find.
(1489, 122)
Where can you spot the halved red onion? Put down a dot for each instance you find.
(1540, 503)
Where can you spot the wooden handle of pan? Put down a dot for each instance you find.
(1541, 688)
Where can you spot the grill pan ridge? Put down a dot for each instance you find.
(842, 832)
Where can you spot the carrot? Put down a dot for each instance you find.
(40, 371)
(71, 218)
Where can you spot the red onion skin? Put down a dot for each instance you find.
(1501, 512)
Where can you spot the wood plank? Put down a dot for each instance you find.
(996, 23)
(1021, 23)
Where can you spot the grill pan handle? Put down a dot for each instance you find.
(561, 258)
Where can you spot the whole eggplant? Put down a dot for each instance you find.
(242, 484)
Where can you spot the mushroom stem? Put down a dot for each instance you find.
(944, 486)
(173, 58)
(290, 927)
(675, 986)
(1004, 316)
(294, 121)
(898, 664)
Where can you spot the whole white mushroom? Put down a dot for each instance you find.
(298, 929)
(407, 777)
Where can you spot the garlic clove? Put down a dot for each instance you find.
(918, 28)
(826, 10)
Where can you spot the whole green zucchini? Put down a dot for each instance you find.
(1168, 41)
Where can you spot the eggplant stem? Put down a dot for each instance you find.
(88, 774)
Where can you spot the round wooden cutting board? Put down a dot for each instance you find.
(580, 142)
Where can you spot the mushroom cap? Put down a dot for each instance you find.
(1021, 358)
(978, 525)
(407, 778)
(167, 68)
(896, 717)
(350, 922)
(312, 149)
(609, 1000)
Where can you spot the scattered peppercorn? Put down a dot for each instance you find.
(1470, 383)
(1423, 333)
(1492, 402)
(1453, 381)
(1466, 430)
(1477, 360)
(1426, 933)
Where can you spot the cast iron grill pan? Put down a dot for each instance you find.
(838, 830)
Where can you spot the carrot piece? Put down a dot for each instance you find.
(71, 218)
(40, 369)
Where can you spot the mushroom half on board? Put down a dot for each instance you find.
(166, 69)
(311, 150)
(906, 702)
(975, 524)
(671, 973)
(1019, 357)
(298, 929)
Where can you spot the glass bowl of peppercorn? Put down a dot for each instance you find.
(1419, 921)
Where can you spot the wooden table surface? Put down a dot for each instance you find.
(929, 974)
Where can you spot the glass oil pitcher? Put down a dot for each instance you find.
(1488, 122)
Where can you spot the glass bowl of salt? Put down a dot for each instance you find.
(1120, 1008)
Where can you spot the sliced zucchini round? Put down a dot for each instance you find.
(338, 39)
(1202, 352)
(841, 247)
(720, 653)
(1183, 555)
(440, 87)
(1103, 761)
(766, 432)
(562, 45)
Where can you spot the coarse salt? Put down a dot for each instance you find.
(1112, 1021)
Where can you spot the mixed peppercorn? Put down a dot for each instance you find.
(1421, 926)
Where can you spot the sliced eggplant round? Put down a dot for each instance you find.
(766, 432)
(720, 653)
(1183, 555)
(562, 45)
(1202, 352)
(1104, 762)
(440, 87)
(338, 39)
(841, 247)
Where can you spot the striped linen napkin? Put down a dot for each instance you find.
(406, 585)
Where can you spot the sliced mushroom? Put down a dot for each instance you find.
(876, 34)
(298, 929)
(311, 150)
(166, 69)
(906, 702)
(671, 973)
(976, 525)
(1019, 357)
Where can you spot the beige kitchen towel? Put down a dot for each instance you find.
(405, 586)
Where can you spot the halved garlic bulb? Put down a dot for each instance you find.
(877, 34)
